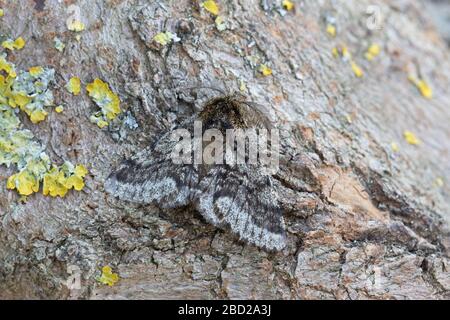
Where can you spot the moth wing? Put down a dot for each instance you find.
(151, 176)
(244, 200)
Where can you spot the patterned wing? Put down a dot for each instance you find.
(243, 199)
(152, 177)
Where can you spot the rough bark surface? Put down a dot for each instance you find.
(363, 222)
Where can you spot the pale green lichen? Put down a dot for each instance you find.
(34, 93)
(221, 23)
(16, 144)
(59, 45)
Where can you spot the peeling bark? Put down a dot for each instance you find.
(363, 222)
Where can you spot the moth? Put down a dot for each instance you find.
(241, 196)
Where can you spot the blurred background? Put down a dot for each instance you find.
(439, 10)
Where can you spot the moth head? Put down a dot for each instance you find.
(232, 112)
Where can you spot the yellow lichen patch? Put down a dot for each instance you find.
(211, 6)
(8, 44)
(74, 86)
(265, 70)
(423, 87)
(75, 25)
(56, 182)
(7, 67)
(331, 30)
(76, 181)
(394, 147)
(108, 102)
(373, 51)
(59, 180)
(343, 52)
(108, 277)
(288, 5)
(27, 180)
(356, 69)
(439, 182)
(411, 138)
(25, 183)
(95, 118)
(2, 13)
(36, 71)
(335, 52)
(164, 38)
(18, 44)
(37, 116)
(18, 100)
(59, 109)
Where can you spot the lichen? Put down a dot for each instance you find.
(12, 45)
(288, 5)
(7, 67)
(372, 52)
(438, 182)
(18, 147)
(59, 180)
(30, 92)
(221, 24)
(394, 146)
(356, 69)
(75, 25)
(74, 86)
(411, 137)
(265, 70)
(211, 6)
(346, 56)
(423, 87)
(108, 277)
(107, 100)
(164, 38)
(59, 45)
(331, 30)
(331, 25)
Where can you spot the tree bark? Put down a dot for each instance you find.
(363, 221)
